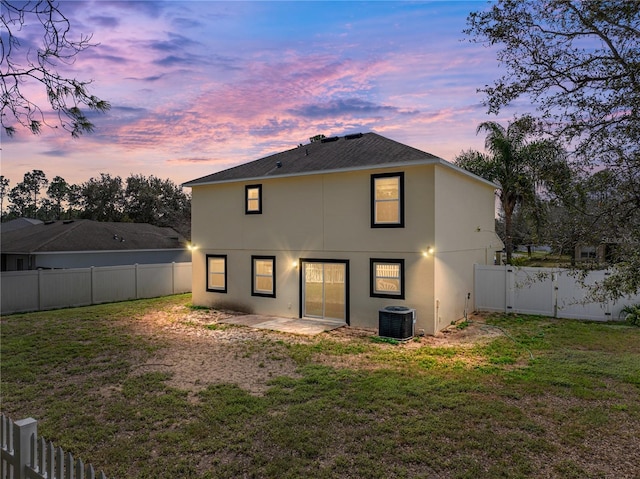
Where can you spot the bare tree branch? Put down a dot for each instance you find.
(67, 96)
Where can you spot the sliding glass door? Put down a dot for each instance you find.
(324, 290)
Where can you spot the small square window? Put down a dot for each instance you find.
(253, 199)
(387, 200)
(263, 274)
(387, 278)
(217, 273)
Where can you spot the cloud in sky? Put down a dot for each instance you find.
(355, 107)
(198, 86)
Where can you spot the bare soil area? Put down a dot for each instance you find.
(198, 350)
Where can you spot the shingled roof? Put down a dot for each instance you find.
(357, 151)
(19, 223)
(87, 235)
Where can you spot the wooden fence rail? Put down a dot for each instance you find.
(24, 456)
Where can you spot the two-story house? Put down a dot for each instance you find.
(340, 228)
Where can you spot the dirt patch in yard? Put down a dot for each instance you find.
(198, 350)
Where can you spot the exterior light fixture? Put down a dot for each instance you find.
(294, 264)
(192, 247)
(428, 251)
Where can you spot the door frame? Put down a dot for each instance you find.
(347, 297)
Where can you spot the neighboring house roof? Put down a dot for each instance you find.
(87, 235)
(351, 152)
(18, 223)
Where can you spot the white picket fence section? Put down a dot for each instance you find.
(24, 291)
(24, 456)
(543, 291)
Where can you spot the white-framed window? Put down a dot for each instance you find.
(217, 273)
(253, 199)
(263, 276)
(387, 200)
(387, 278)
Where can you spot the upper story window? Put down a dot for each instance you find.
(253, 199)
(217, 273)
(387, 200)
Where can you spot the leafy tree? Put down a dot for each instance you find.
(47, 210)
(158, 202)
(74, 198)
(102, 199)
(58, 193)
(4, 191)
(21, 66)
(34, 181)
(24, 196)
(21, 205)
(578, 62)
(515, 163)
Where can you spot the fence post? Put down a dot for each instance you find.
(136, 281)
(555, 291)
(40, 287)
(93, 285)
(506, 287)
(23, 431)
(608, 309)
(173, 277)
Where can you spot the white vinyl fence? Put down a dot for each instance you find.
(24, 456)
(24, 291)
(543, 291)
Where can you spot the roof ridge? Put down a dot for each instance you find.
(55, 237)
(342, 153)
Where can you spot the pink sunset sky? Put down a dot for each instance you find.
(200, 86)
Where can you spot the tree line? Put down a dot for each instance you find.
(138, 199)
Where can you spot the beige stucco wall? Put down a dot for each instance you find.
(363, 308)
(328, 216)
(464, 236)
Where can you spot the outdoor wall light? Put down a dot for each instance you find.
(294, 264)
(192, 247)
(428, 251)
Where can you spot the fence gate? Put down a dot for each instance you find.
(544, 291)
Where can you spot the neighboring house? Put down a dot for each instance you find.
(340, 228)
(86, 243)
(594, 254)
(18, 223)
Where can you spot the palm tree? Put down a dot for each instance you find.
(517, 165)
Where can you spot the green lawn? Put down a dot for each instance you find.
(550, 398)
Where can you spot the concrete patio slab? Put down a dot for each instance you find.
(309, 327)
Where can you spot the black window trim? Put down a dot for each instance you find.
(400, 224)
(226, 271)
(372, 278)
(246, 199)
(253, 276)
